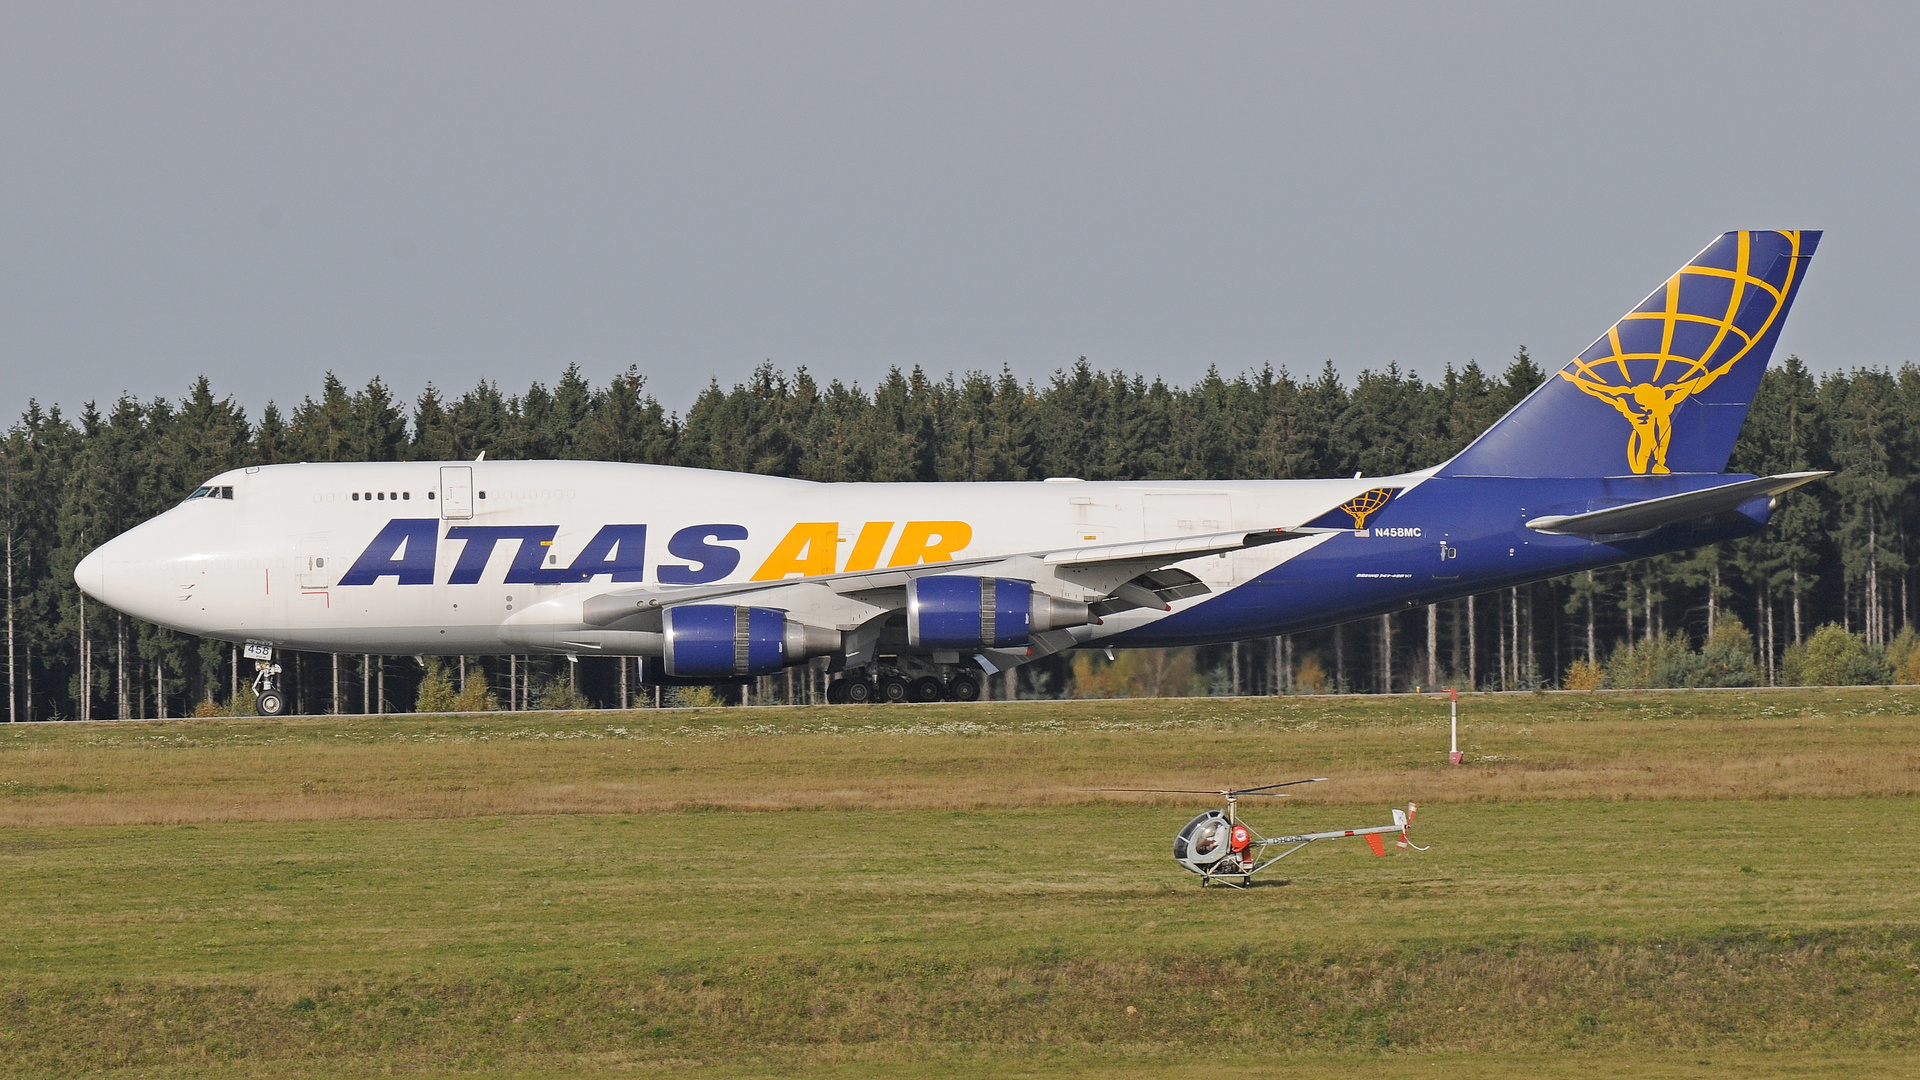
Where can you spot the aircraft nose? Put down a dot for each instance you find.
(109, 572)
(91, 573)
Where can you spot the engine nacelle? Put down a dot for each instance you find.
(949, 611)
(717, 641)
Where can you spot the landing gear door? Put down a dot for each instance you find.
(456, 492)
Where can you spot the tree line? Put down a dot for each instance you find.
(1835, 553)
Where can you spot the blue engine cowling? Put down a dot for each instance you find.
(954, 612)
(721, 641)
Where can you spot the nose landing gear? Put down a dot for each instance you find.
(268, 698)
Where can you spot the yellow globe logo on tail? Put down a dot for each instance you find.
(1684, 337)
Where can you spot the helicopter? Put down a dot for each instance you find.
(1219, 847)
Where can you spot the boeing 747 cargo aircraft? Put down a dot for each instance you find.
(914, 590)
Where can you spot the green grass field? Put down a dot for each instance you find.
(1677, 884)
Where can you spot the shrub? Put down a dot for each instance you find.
(243, 703)
(1309, 677)
(1833, 657)
(1656, 664)
(1727, 657)
(1137, 673)
(693, 697)
(436, 690)
(1584, 675)
(1669, 662)
(1903, 656)
(477, 697)
(560, 696)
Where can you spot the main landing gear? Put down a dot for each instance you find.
(889, 686)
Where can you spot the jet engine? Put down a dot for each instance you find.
(716, 641)
(949, 611)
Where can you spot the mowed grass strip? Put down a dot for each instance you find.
(1841, 994)
(1077, 882)
(1670, 884)
(727, 939)
(1675, 745)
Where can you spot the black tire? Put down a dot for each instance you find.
(895, 688)
(963, 688)
(927, 688)
(837, 692)
(858, 692)
(270, 703)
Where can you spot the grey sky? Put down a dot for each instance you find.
(446, 193)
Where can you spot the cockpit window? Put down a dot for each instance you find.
(211, 492)
(199, 493)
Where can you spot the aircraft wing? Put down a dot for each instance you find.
(1650, 514)
(1100, 569)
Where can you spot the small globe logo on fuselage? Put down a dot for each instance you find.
(1363, 505)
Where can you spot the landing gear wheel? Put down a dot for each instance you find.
(963, 688)
(894, 688)
(837, 692)
(857, 691)
(927, 688)
(270, 703)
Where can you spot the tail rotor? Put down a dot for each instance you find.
(1404, 819)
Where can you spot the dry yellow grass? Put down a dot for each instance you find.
(1533, 746)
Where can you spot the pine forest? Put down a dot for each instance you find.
(1821, 596)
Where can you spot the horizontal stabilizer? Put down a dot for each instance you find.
(1650, 514)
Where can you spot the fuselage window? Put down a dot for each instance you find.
(396, 496)
(383, 496)
(356, 496)
(407, 495)
(483, 494)
(429, 496)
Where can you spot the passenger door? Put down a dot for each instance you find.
(456, 492)
(312, 563)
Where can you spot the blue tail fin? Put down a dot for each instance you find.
(1667, 388)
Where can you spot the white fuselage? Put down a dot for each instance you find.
(271, 562)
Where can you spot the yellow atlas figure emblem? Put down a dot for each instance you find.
(1363, 505)
(1648, 377)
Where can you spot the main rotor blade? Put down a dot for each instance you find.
(1158, 790)
(1188, 791)
(1270, 787)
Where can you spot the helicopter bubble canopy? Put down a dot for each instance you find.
(1204, 841)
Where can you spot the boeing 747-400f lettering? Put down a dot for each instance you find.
(914, 589)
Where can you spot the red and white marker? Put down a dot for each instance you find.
(1453, 727)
